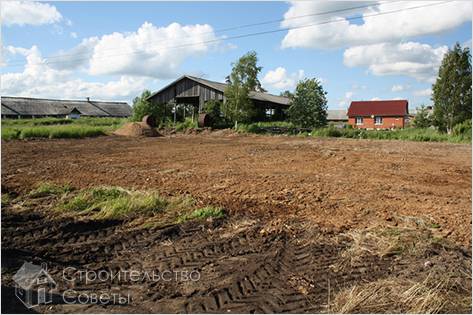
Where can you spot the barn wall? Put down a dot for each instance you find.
(188, 88)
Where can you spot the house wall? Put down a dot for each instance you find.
(368, 123)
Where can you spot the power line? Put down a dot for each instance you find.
(251, 34)
(234, 28)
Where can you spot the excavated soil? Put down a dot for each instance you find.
(339, 183)
(293, 204)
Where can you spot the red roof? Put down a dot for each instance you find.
(378, 108)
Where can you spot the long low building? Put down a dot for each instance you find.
(25, 107)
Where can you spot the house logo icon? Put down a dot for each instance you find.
(33, 285)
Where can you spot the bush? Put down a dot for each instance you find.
(463, 130)
(186, 124)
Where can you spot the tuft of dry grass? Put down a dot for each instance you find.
(435, 294)
(385, 242)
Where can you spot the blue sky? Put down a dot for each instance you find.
(114, 50)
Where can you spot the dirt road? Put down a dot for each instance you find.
(335, 183)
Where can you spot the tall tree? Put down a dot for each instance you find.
(451, 92)
(242, 80)
(309, 105)
(287, 94)
(422, 118)
(142, 106)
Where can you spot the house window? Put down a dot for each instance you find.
(359, 120)
(378, 120)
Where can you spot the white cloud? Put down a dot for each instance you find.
(38, 79)
(150, 51)
(344, 101)
(399, 88)
(383, 28)
(280, 79)
(28, 13)
(73, 34)
(425, 92)
(135, 60)
(420, 61)
(375, 99)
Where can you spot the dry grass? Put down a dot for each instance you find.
(385, 242)
(437, 293)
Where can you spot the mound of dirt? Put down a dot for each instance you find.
(136, 129)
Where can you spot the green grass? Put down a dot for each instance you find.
(114, 203)
(48, 189)
(461, 134)
(53, 132)
(186, 124)
(53, 128)
(262, 127)
(202, 213)
(6, 199)
(410, 134)
(118, 203)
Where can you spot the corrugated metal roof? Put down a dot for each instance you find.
(337, 114)
(260, 96)
(48, 107)
(378, 108)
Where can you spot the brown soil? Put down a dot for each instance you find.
(296, 233)
(136, 129)
(240, 265)
(340, 183)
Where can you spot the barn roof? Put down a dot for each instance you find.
(43, 107)
(379, 108)
(219, 86)
(337, 114)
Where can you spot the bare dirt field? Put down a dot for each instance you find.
(302, 231)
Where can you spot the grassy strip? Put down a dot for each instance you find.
(410, 134)
(118, 203)
(88, 121)
(53, 128)
(53, 132)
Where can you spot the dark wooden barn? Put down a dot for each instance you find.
(197, 91)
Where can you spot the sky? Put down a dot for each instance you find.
(359, 50)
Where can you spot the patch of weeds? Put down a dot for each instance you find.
(202, 213)
(49, 189)
(114, 202)
(6, 199)
(435, 226)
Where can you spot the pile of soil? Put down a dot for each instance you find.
(136, 129)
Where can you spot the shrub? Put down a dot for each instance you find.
(463, 130)
(186, 124)
(202, 213)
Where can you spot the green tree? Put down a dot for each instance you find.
(287, 94)
(451, 93)
(309, 105)
(242, 80)
(422, 118)
(142, 106)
